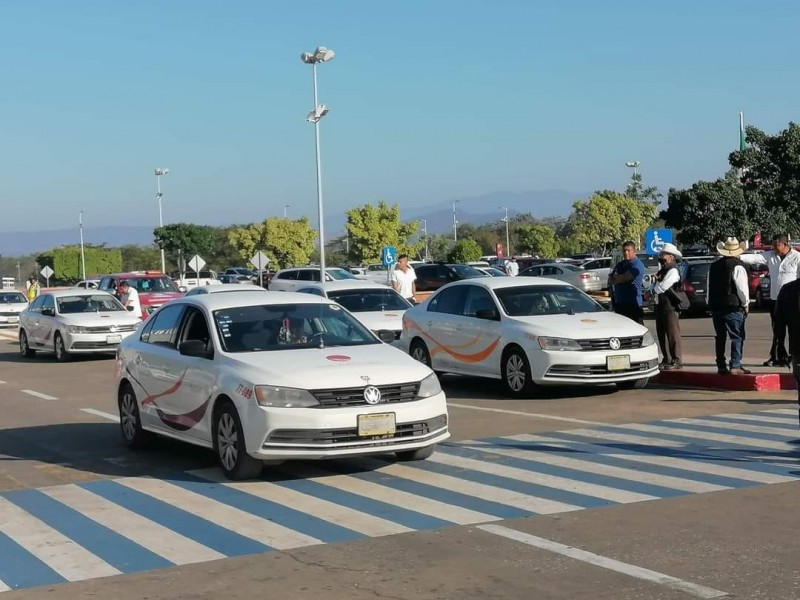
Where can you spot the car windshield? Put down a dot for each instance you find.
(536, 300)
(339, 274)
(289, 327)
(153, 284)
(12, 297)
(467, 272)
(69, 305)
(370, 300)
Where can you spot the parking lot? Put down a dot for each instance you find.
(588, 492)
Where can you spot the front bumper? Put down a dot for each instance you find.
(592, 367)
(90, 343)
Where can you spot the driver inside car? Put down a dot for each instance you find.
(292, 332)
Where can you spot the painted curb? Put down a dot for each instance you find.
(757, 382)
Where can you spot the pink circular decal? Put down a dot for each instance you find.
(338, 357)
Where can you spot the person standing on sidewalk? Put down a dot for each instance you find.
(625, 283)
(783, 262)
(728, 297)
(668, 329)
(786, 313)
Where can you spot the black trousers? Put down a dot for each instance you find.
(632, 311)
(777, 351)
(796, 373)
(668, 330)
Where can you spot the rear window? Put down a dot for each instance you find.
(466, 272)
(153, 284)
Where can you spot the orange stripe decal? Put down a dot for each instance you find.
(463, 357)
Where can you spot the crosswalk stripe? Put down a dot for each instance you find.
(169, 544)
(625, 438)
(61, 554)
(707, 436)
(667, 481)
(20, 569)
(233, 519)
(433, 508)
(3, 586)
(783, 411)
(790, 433)
(362, 522)
(759, 418)
(587, 489)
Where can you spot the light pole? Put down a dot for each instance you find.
(455, 222)
(83, 255)
(19, 274)
(508, 244)
(160, 172)
(633, 164)
(424, 230)
(285, 208)
(320, 55)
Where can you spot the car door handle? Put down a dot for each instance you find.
(138, 360)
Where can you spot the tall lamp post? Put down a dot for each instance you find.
(455, 222)
(83, 255)
(320, 55)
(633, 164)
(424, 230)
(160, 172)
(508, 245)
(285, 208)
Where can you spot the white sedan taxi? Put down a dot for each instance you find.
(377, 306)
(74, 321)
(528, 331)
(12, 303)
(274, 376)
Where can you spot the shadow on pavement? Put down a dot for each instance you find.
(492, 389)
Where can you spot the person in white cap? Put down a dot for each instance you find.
(728, 297)
(668, 329)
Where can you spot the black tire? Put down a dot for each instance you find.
(229, 444)
(24, 348)
(419, 351)
(516, 373)
(418, 454)
(59, 350)
(130, 422)
(636, 384)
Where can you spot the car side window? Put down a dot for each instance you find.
(287, 275)
(195, 326)
(145, 334)
(36, 305)
(49, 303)
(449, 301)
(306, 275)
(165, 327)
(311, 290)
(550, 271)
(477, 298)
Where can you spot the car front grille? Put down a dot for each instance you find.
(625, 343)
(93, 346)
(330, 398)
(329, 437)
(110, 328)
(9, 313)
(598, 370)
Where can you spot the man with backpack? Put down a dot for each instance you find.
(668, 302)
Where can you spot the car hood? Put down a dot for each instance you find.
(13, 306)
(100, 319)
(337, 367)
(583, 326)
(376, 320)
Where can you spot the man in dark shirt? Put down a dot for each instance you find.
(787, 315)
(625, 283)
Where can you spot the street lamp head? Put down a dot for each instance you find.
(161, 171)
(315, 115)
(320, 55)
(632, 164)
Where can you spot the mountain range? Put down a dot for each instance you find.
(438, 219)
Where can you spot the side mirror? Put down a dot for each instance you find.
(49, 312)
(182, 289)
(489, 314)
(130, 308)
(386, 335)
(197, 348)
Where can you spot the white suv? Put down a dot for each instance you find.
(290, 280)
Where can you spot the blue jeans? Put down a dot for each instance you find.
(729, 325)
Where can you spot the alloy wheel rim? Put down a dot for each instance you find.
(59, 347)
(228, 441)
(419, 354)
(23, 343)
(128, 417)
(515, 372)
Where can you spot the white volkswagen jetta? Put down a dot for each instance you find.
(12, 303)
(274, 376)
(528, 331)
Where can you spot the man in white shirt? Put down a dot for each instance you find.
(783, 262)
(403, 278)
(130, 298)
(668, 328)
(512, 267)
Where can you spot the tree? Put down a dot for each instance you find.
(539, 239)
(140, 258)
(596, 223)
(66, 261)
(637, 191)
(285, 242)
(464, 251)
(372, 227)
(184, 239)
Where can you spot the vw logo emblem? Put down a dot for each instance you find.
(113, 328)
(372, 395)
(614, 344)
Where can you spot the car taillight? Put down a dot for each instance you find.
(585, 275)
(688, 287)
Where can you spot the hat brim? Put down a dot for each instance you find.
(725, 251)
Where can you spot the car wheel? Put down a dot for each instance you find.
(58, 348)
(759, 299)
(516, 373)
(24, 348)
(636, 384)
(419, 351)
(230, 446)
(130, 422)
(418, 454)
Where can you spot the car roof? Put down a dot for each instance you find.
(495, 283)
(136, 274)
(347, 284)
(311, 268)
(74, 292)
(233, 299)
(226, 287)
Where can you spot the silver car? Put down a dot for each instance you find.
(12, 303)
(586, 281)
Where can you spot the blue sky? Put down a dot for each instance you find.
(430, 100)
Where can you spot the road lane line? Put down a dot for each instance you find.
(708, 436)
(101, 414)
(38, 395)
(68, 559)
(231, 518)
(604, 562)
(168, 544)
(787, 420)
(752, 428)
(525, 414)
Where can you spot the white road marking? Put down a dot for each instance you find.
(158, 539)
(788, 432)
(100, 413)
(707, 436)
(693, 589)
(65, 557)
(352, 519)
(787, 420)
(4, 587)
(609, 436)
(229, 517)
(783, 411)
(525, 414)
(38, 395)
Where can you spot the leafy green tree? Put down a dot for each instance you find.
(637, 191)
(66, 262)
(286, 242)
(538, 239)
(464, 251)
(371, 227)
(140, 258)
(184, 240)
(439, 246)
(596, 223)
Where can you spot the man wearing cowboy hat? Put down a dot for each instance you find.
(728, 297)
(668, 280)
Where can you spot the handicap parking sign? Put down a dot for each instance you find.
(388, 255)
(654, 240)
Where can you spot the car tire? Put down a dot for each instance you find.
(24, 347)
(130, 421)
(229, 444)
(636, 384)
(759, 299)
(418, 454)
(59, 350)
(516, 373)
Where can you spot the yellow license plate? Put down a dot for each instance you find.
(113, 339)
(377, 424)
(620, 362)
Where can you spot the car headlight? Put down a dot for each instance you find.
(283, 397)
(76, 329)
(557, 343)
(429, 386)
(648, 339)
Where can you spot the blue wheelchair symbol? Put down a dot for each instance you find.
(388, 256)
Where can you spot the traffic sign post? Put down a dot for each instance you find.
(654, 240)
(388, 256)
(47, 273)
(260, 261)
(197, 263)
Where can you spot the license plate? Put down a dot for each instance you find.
(377, 424)
(113, 339)
(13, 319)
(621, 362)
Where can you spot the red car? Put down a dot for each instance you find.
(154, 288)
